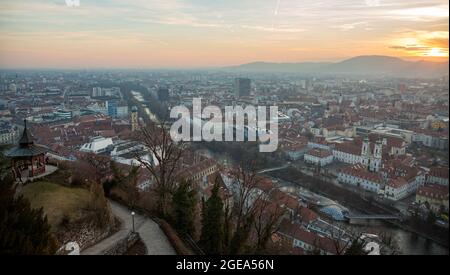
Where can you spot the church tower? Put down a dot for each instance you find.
(365, 152)
(377, 156)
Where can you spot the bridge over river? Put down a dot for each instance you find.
(273, 169)
(366, 218)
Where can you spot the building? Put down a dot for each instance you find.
(97, 92)
(359, 176)
(371, 158)
(347, 152)
(27, 157)
(163, 94)
(320, 157)
(111, 106)
(134, 118)
(7, 133)
(242, 87)
(62, 114)
(366, 152)
(432, 139)
(396, 189)
(438, 175)
(401, 180)
(319, 142)
(306, 240)
(295, 151)
(198, 171)
(433, 196)
(97, 145)
(122, 111)
(13, 88)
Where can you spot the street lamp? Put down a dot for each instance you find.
(132, 218)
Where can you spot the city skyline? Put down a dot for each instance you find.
(189, 34)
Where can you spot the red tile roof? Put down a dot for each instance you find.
(349, 148)
(439, 172)
(362, 173)
(295, 231)
(434, 191)
(319, 153)
(397, 182)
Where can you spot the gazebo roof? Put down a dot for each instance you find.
(34, 150)
(26, 147)
(26, 138)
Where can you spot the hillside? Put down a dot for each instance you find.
(362, 65)
(59, 202)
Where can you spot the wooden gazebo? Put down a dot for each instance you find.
(27, 156)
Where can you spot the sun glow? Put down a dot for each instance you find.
(436, 52)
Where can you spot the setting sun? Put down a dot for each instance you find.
(436, 52)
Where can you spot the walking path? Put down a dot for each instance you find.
(152, 236)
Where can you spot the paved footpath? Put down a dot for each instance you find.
(151, 234)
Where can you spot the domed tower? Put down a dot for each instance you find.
(134, 118)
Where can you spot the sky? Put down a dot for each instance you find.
(210, 33)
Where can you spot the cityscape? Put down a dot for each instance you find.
(90, 115)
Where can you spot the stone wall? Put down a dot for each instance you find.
(121, 246)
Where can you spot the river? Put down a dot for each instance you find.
(409, 243)
(138, 96)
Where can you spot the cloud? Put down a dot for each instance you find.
(277, 8)
(349, 26)
(372, 3)
(415, 48)
(437, 42)
(273, 29)
(426, 13)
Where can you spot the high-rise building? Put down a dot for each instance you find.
(97, 92)
(13, 88)
(117, 109)
(163, 94)
(134, 118)
(111, 106)
(242, 87)
(122, 110)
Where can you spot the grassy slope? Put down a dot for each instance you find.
(57, 200)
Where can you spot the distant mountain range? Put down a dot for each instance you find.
(360, 65)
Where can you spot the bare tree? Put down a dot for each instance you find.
(246, 193)
(130, 186)
(164, 161)
(90, 167)
(267, 220)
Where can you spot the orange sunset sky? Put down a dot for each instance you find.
(205, 33)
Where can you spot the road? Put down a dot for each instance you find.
(152, 236)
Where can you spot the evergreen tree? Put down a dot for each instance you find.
(118, 177)
(99, 206)
(356, 248)
(241, 236)
(212, 223)
(227, 229)
(185, 201)
(23, 230)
